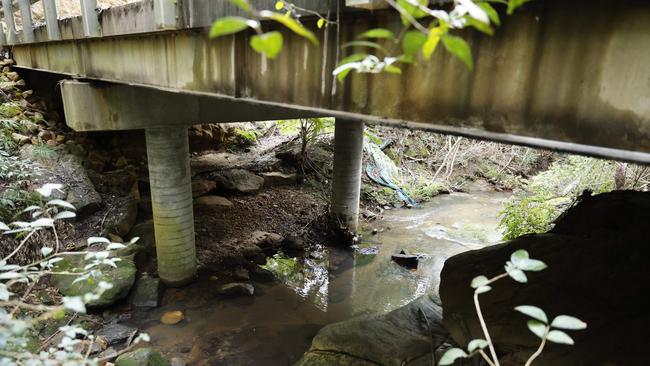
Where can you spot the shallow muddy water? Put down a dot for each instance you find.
(275, 327)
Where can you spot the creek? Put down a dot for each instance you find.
(330, 284)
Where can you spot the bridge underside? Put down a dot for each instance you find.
(552, 76)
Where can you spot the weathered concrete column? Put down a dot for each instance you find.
(346, 180)
(171, 198)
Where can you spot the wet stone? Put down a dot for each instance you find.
(241, 274)
(145, 292)
(142, 357)
(260, 274)
(116, 333)
(237, 289)
(172, 317)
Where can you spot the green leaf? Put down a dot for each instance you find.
(477, 344)
(61, 203)
(412, 10)
(558, 336)
(364, 44)
(279, 5)
(518, 256)
(539, 329)
(320, 23)
(378, 33)
(479, 281)
(230, 25)
(533, 312)
(242, 4)
(491, 12)
(483, 289)
(393, 69)
(532, 265)
(413, 42)
(514, 4)
(480, 26)
(458, 47)
(521, 260)
(292, 24)
(518, 275)
(568, 322)
(269, 43)
(451, 356)
(352, 58)
(432, 41)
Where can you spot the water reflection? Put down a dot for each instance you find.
(372, 282)
(276, 326)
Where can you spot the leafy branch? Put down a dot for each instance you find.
(383, 50)
(516, 268)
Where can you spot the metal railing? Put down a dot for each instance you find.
(165, 13)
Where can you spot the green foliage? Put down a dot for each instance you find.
(516, 268)
(20, 318)
(248, 136)
(430, 27)
(534, 209)
(10, 109)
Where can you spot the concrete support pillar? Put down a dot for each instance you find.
(346, 180)
(171, 198)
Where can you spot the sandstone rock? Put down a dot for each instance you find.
(236, 289)
(240, 180)
(122, 217)
(122, 279)
(212, 203)
(596, 255)
(293, 242)
(265, 240)
(144, 231)
(81, 192)
(20, 139)
(400, 337)
(202, 187)
(172, 317)
(272, 179)
(142, 357)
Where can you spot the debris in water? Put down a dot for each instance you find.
(409, 261)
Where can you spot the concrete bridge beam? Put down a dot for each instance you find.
(171, 198)
(346, 179)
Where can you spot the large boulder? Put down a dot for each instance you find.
(405, 336)
(121, 277)
(66, 169)
(240, 180)
(597, 265)
(142, 357)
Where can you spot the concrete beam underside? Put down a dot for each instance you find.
(550, 72)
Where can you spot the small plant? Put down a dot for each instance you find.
(18, 316)
(552, 331)
(308, 129)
